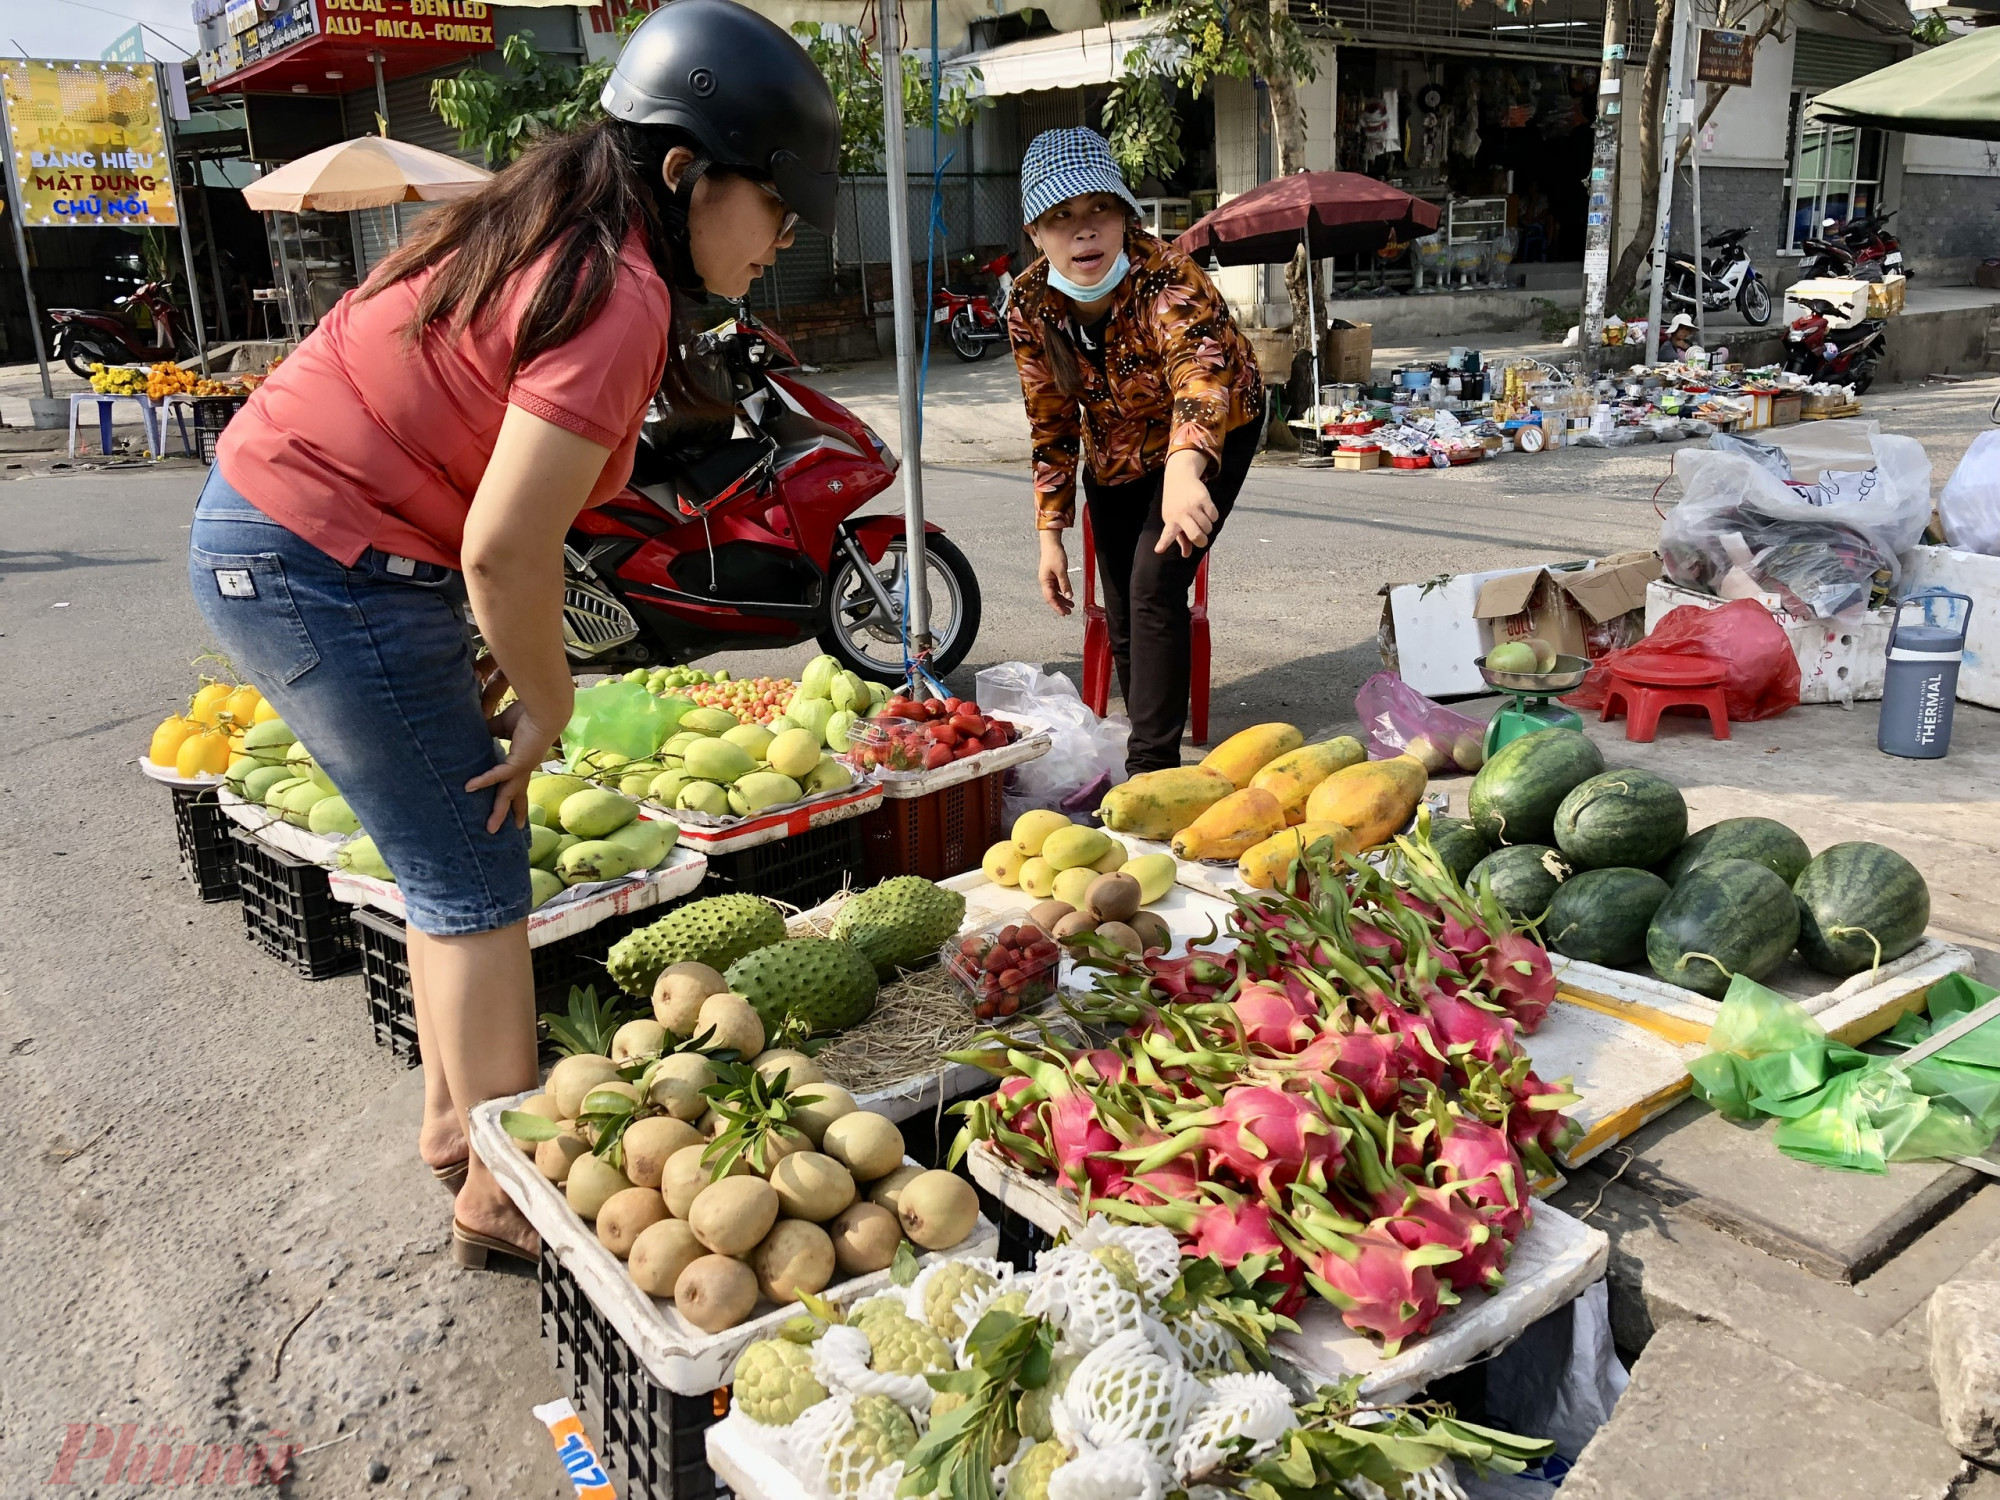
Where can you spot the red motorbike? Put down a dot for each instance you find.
(971, 319)
(1833, 356)
(83, 337)
(740, 535)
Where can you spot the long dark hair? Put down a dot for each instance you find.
(579, 194)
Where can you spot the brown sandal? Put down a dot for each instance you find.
(452, 1175)
(470, 1248)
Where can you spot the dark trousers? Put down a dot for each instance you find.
(1146, 597)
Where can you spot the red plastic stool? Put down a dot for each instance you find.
(1097, 643)
(1648, 687)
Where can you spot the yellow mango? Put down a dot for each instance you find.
(168, 739)
(1237, 823)
(207, 750)
(1293, 775)
(206, 705)
(1159, 804)
(241, 706)
(1264, 865)
(1075, 845)
(1248, 751)
(1373, 800)
(1002, 863)
(265, 712)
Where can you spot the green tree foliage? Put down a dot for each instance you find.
(853, 68)
(500, 114)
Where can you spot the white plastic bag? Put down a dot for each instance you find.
(1084, 750)
(1969, 504)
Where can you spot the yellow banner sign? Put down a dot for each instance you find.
(89, 148)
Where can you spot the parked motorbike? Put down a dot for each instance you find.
(739, 534)
(1861, 247)
(1726, 277)
(972, 321)
(83, 337)
(1833, 356)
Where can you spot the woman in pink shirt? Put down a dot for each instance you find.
(421, 457)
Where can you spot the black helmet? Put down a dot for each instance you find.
(749, 95)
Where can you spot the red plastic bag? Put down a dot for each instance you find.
(1399, 720)
(1761, 676)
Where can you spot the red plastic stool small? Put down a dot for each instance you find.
(1097, 643)
(1648, 687)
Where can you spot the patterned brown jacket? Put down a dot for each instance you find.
(1177, 374)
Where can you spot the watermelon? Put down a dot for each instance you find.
(1854, 896)
(1515, 795)
(1628, 818)
(1729, 917)
(1762, 840)
(1458, 845)
(1523, 878)
(1602, 916)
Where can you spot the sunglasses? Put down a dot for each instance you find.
(791, 220)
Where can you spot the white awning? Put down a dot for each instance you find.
(1069, 60)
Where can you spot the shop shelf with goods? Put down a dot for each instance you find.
(289, 910)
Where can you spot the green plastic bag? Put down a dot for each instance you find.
(623, 718)
(1754, 1037)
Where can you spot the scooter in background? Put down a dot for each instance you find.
(972, 320)
(1727, 277)
(1833, 356)
(83, 337)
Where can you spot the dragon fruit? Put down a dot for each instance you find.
(1102, 1064)
(1262, 1136)
(1175, 1181)
(1465, 1029)
(1353, 1063)
(1481, 1162)
(1082, 1145)
(1417, 1050)
(1212, 1221)
(1267, 1019)
(1381, 1285)
(1517, 971)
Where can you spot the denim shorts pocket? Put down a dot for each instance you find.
(249, 607)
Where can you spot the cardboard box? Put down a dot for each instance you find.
(1431, 632)
(1785, 410)
(1273, 348)
(1987, 274)
(1347, 355)
(1357, 458)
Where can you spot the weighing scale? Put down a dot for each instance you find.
(1534, 707)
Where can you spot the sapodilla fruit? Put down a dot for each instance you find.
(650, 1143)
(868, 1145)
(591, 1182)
(679, 992)
(715, 1293)
(691, 1067)
(828, 1102)
(626, 1215)
(660, 1254)
(536, 1104)
(734, 1022)
(811, 1185)
(798, 1069)
(794, 1257)
(865, 1237)
(732, 1215)
(555, 1156)
(677, 1097)
(576, 1076)
(686, 1174)
(887, 1192)
(938, 1209)
(637, 1039)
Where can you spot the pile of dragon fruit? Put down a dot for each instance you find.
(1342, 1091)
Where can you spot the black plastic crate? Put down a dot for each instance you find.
(654, 1440)
(211, 415)
(290, 913)
(207, 856)
(801, 870)
(1020, 1239)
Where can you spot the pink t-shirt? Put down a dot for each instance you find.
(360, 439)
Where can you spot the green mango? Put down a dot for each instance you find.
(592, 860)
(759, 790)
(298, 803)
(718, 760)
(829, 775)
(594, 812)
(269, 737)
(542, 846)
(667, 786)
(677, 744)
(548, 792)
(274, 794)
(636, 783)
(538, 815)
(332, 815)
(544, 886)
(648, 839)
(257, 785)
(703, 796)
(361, 857)
(563, 845)
(754, 739)
(708, 721)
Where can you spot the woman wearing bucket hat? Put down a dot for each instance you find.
(1123, 342)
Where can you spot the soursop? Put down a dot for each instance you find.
(900, 1345)
(882, 1433)
(814, 984)
(945, 1290)
(900, 923)
(716, 931)
(775, 1384)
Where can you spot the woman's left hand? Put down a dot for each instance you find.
(1189, 515)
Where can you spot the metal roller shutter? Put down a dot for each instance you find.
(1820, 61)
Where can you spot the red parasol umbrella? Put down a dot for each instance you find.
(1344, 213)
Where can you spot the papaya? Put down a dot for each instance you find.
(1159, 804)
(1248, 751)
(1372, 800)
(1238, 822)
(1263, 865)
(1293, 775)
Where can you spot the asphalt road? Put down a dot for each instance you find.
(216, 1228)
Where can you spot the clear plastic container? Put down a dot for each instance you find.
(1006, 967)
(894, 746)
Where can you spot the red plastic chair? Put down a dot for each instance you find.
(1642, 692)
(1097, 642)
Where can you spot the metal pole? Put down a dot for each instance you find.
(1602, 188)
(1670, 139)
(908, 413)
(19, 216)
(285, 274)
(214, 256)
(1312, 305)
(1700, 267)
(181, 218)
(382, 110)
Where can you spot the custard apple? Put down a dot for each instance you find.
(775, 1383)
(1029, 1478)
(716, 931)
(1032, 1411)
(816, 984)
(900, 923)
(882, 1433)
(944, 1290)
(903, 1346)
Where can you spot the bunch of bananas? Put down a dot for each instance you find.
(169, 379)
(116, 380)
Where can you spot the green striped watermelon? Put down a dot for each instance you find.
(1523, 878)
(1602, 916)
(1628, 818)
(1459, 845)
(1515, 795)
(1726, 918)
(1853, 897)
(1763, 840)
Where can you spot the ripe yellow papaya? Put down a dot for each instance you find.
(1293, 775)
(167, 739)
(206, 705)
(1264, 865)
(1373, 800)
(1159, 804)
(1248, 751)
(1236, 823)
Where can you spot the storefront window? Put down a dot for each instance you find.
(1836, 173)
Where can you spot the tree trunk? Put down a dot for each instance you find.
(1602, 191)
(1288, 140)
(1640, 247)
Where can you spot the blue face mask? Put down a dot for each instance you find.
(1088, 294)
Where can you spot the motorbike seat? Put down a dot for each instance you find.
(1727, 237)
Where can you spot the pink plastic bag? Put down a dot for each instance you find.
(1761, 675)
(1399, 720)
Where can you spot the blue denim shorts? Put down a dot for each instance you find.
(371, 666)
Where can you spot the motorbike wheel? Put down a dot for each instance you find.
(80, 353)
(869, 644)
(965, 340)
(1861, 377)
(1753, 300)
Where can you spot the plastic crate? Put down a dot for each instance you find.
(937, 835)
(211, 415)
(207, 856)
(654, 1441)
(289, 912)
(801, 870)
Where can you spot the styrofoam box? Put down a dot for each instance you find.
(1840, 661)
(1848, 296)
(1977, 576)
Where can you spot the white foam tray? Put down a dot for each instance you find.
(675, 1353)
(168, 776)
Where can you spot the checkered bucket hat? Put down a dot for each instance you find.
(1062, 164)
